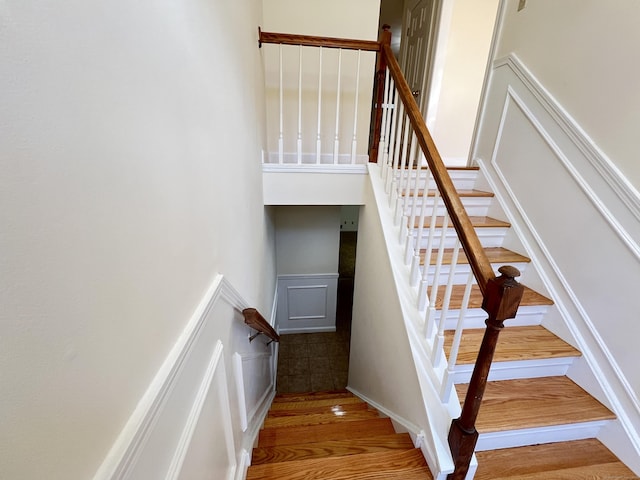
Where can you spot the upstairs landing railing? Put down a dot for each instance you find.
(413, 171)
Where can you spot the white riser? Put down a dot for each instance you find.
(475, 317)
(474, 206)
(462, 272)
(489, 237)
(533, 436)
(462, 179)
(549, 367)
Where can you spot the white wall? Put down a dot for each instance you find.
(356, 19)
(130, 144)
(585, 59)
(543, 143)
(462, 49)
(307, 239)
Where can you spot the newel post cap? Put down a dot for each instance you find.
(503, 294)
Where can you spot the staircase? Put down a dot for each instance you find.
(534, 421)
(332, 436)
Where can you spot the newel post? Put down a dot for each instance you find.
(501, 301)
(378, 92)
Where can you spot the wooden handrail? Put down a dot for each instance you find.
(466, 233)
(314, 41)
(255, 320)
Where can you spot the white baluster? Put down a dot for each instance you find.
(355, 112)
(392, 179)
(422, 293)
(439, 342)
(336, 140)
(318, 142)
(391, 109)
(447, 381)
(431, 311)
(281, 137)
(383, 126)
(299, 141)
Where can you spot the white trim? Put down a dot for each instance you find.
(134, 435)
(573, 171)
(194, 415)
(243, 466)
(295, 168)
(178, 394)
(242, 402)
(627, 193)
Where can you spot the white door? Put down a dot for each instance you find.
(417, 45)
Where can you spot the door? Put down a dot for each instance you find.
(417, 47)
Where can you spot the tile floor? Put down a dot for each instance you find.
(312, 362)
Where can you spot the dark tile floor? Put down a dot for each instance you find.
(311, 362)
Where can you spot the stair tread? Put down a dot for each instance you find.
(315, 403)
(494, 254)
(476, 221)
(535, 402)
(378, 443)
(552, 460)
(349, 407)
(275, 436)
(305, 396)
(339, 416)
(515, 343)
(529, 298)
(339, 467)
(420, 473)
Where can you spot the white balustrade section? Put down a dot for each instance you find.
(329, 125)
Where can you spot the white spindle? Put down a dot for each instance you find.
(389, 112)
(299, 141)
(383, 126)
(447, 381)
(422, 293)
(439, 342)
(318, 142)
(281, 137)
(336, 141)
(404, 180)
(355, 112)
(411, 200)
(431, 311)
(394, 153)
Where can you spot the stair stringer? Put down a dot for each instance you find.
(597, 372)
(383, 294)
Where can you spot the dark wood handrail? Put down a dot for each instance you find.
(314, 41)
(466, 233)
(255, 320)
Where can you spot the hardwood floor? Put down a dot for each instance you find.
(332, 436)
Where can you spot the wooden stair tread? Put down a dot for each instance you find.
(349, 407)
(335, 468)
(274, 436)
(461, 193)
(323, 402)
(371, 444)
(476, 221)
(529, 297)
(498, 255)
(302, 397)
(515, 343)
(535, 402)
(609, 471)
(421, 473)
(320, 418)
(552, 460)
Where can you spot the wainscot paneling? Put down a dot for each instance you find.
(203, 410)
(307, 303)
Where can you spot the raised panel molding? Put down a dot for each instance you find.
(307, 303)
(519, 113)
(190, 422)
